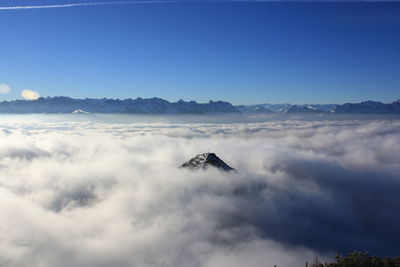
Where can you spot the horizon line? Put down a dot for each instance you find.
(172, 101)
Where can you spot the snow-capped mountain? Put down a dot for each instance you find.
(366, 107)
(206, 160)
(286, 108)
(262, 108)
(79, 111)
(253, 109)
(307, 109)
(139, 105)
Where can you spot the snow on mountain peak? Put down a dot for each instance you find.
(205, 160)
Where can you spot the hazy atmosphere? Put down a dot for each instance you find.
(80, 193)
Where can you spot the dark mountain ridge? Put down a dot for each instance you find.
(63, 104)
(369, 107)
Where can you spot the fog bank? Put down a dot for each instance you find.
(89, 193)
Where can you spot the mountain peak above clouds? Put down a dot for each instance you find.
(206, 160)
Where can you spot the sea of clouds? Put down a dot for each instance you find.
(85, 193)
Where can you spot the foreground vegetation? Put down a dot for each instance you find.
(356, 259)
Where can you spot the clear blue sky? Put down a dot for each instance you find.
(255, 52)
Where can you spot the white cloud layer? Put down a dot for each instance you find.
(30, 95)
(106, 194)
(4, 88)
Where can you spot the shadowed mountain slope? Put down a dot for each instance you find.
(206, 160)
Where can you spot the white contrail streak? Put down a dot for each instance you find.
(88, 4)
(168, 1)
(123, 3)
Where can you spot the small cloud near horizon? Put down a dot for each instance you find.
(30, 95)
(4, 88)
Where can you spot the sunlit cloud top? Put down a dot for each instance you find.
(30, 95)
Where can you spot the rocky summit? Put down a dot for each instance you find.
(205, 160)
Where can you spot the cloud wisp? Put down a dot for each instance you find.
(4, 88)
(106, 194)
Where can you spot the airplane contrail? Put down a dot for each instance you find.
(166, 2)
(89, 4)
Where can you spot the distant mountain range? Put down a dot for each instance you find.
(369, 107)
(366, 107)
(62, 104)
(285, 108)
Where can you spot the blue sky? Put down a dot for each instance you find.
(254, 52)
